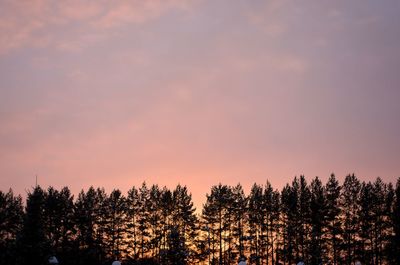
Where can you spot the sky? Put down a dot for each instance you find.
(197, 92)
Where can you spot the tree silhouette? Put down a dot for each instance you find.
(33, 246)
(11, 217)
(316, 223)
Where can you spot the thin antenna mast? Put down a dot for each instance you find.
(36, 181)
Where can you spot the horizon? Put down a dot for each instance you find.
(197, 93)
(199, 199)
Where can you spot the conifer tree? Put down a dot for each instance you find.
(214, 212)
(256, 214)
(144, 221)
(380, 220)
(154, 219)
(303, 222)
(33, 244)
(115, 224)
(318, 223)
(289, 215)
(350, 206)
(132, 223)
(58, 217)
(396, 224)
(87, 222)
(333, 229)
(11, 217)
(184, 224)
(275, 225)
(366, 222)
(167, 208)
(239, 209)
(100, 225)
(270, 206)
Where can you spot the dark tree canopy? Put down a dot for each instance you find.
(305, 221)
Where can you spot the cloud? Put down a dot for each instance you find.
(266, 18)
(72, 25)
(124, 12)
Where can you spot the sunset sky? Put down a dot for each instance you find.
(196, 92)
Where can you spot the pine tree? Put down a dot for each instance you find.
(333, 229)
(372, 221)
(275, 225)
(396, 224)
(88, 221)
(366, 222)
(144, 221)
(303, 222)
(380, 218)
(11, 217)
(350, 207)
(289, 209)
(33, 244)
(175, 253)
(154, 220)
(214, 212)
(132, 227)
(389, 236)
(115, 224)
(256, 214)
(167, 208)
(318, 223)
(58, 217)
(239, 213)
(184, 224)
(271, 212)
(100, 225)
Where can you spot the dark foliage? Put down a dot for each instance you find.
(316, 223)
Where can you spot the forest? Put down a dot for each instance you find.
(332, 223)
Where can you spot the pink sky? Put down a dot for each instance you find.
(114, 93)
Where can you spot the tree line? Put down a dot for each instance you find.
(316, 223)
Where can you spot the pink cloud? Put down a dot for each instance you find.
(138, 11)
(41, 23)
(81, 10)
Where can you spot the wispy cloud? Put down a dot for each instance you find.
(72, 25)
